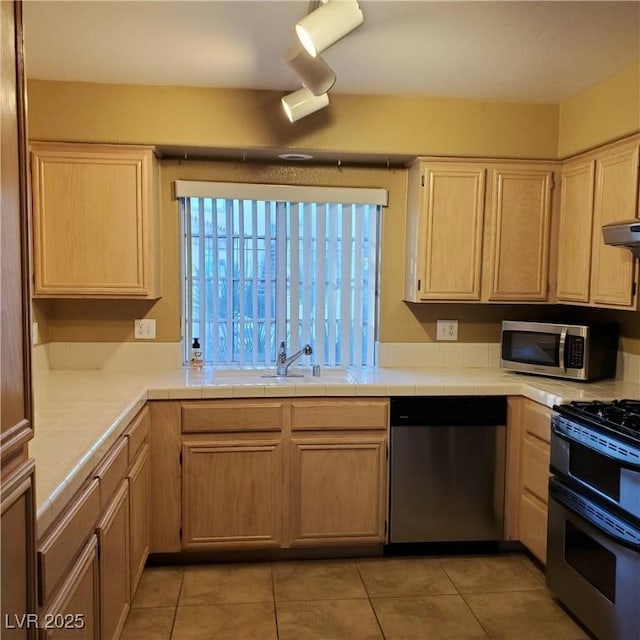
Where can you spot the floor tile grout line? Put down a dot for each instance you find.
(473, 613)
(175, 611)
(273, 595)
(370, 601)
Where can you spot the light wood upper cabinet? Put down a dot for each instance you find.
(519, 219)
(444, 240)
(232, 494)
(597, 188)
(574, 231)
(95, 221)
(468, 243)
(614, 269)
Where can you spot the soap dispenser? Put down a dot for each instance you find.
(196, 361)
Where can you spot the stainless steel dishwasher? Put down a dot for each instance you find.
(447, 474)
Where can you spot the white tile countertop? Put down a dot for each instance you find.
(80, 414)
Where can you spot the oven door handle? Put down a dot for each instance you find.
(555, 493)
(607, 452)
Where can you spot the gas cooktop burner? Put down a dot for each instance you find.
(622, 416)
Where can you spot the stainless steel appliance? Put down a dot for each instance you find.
(593, 545)
(576, 352)
(447, 469)
(623, 234)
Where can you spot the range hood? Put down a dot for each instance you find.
(623, 234)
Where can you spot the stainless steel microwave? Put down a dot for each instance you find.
(575, 352)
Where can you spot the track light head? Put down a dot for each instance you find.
(302, 103)
(314, 73)
(327, 24)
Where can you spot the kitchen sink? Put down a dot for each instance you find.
(297, 375)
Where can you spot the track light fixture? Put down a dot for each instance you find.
(302, 102)
(327, 24)
(315, 73)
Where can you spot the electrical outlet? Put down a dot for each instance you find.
(144, 329)
(35, 334)
(447, 330)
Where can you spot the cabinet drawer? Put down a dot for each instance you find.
(112, 470)
(339, 414)
(535, 469)
(536, 420)
(60, 547)
(137, 432)
(232, 416)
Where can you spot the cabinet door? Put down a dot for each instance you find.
(450, 242)
(17, 527)
(533, 526)
(575, 230)
(113, 539)
(139, 516)
(338, 490)
(519, 210)
(232, 494)
(74, 614)
(93, 221)
(616, 192)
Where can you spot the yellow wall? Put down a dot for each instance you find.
(602, 113)
(199, 117)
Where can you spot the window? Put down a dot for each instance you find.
(261, 270)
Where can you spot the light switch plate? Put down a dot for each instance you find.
(144, 329)
(447, 330)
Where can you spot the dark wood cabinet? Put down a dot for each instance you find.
(16, 425)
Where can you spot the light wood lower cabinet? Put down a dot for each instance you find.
(139, 516)
(529, 431)
(232, 494)
(113, 538)
(75, 611)
(91, 558)
(268, 474)
(337, 490)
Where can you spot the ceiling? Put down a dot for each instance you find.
(515, 51)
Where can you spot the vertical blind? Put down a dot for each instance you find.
(258, 272)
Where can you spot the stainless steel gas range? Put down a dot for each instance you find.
(593, 546)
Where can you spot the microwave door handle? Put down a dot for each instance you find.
(563, 342)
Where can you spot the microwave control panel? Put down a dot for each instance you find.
(575, 352)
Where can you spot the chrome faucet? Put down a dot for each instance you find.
(284, 363)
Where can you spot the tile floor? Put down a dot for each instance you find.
(500, 597)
